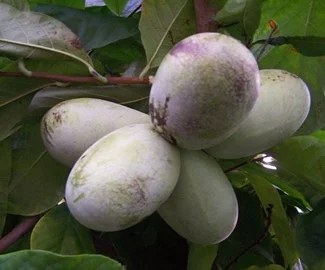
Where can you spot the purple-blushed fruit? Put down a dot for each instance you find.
(205, 86)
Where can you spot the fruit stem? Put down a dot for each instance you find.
(204, 13)
(77, 79)
(21, 229)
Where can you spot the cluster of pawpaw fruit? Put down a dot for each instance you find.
(208, 100)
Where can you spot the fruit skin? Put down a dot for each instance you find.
(71, 126)
(122, 178)
(203, 207)
(205, 86)
(281, 108)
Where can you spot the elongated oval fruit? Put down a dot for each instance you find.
(203, 207)
(281, 108)
(71, 126)
(205, 86)
(122, 178)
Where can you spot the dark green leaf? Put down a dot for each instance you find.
(306, 45)
(310, 235)
(117, 6)
(250, 227)
(201, 256)
(296, 18)
(68, 3)
(163, 24)
(38, 181)
(245, 13)
(303, 156)
(40, 260)
(57, 231)
(269, 196)
(269, 267)
(94, 29)
(5, 176)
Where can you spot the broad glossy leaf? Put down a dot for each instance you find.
(297, 18)
(68, 3)
(268, 195)
(269, 267)
(163, 24)
(38, 181)
(201, 256)
(245, 13)
(5, 176)
(250, 227)
(116, 6)
(57, 231)
(38, 36)
(310, 235)
(40, 260)
(95, 29)
(303, 156)
(305, 45)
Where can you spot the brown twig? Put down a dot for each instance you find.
(77, 79)
(204, 13)
(257, 241)
(18, 232)
(243, 164)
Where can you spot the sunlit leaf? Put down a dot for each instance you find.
(117, 6)
(269, 196)
(163, 24)
(38, 181)
(39, 260)
(95, 29)
(57, 231)
(201, 256)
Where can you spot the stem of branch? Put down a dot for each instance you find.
(77, 79)
(243, 164)
(18, 232)
(204, 16)
(257, 241)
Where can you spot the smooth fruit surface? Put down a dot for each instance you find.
(71, 126)
(122, 178)
(281, 108)
(203, 207)
(205, 86)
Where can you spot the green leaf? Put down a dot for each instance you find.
(163, 24)
(116, 6)
(268, 195)
(38, 181)
(57, 231)
(5, 176)
(249, 228)
(201, 256)
(40, 260)
(95, 29)
(310, 235)
(269, 267)
(37, 36)
(68, 3)
(296, 18)
(245, 13)
(308, 162)
(305, 45)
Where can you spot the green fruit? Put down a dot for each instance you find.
(122, 178)
(203, 207)
(281, 108)
(71, 126)
(205, 86)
